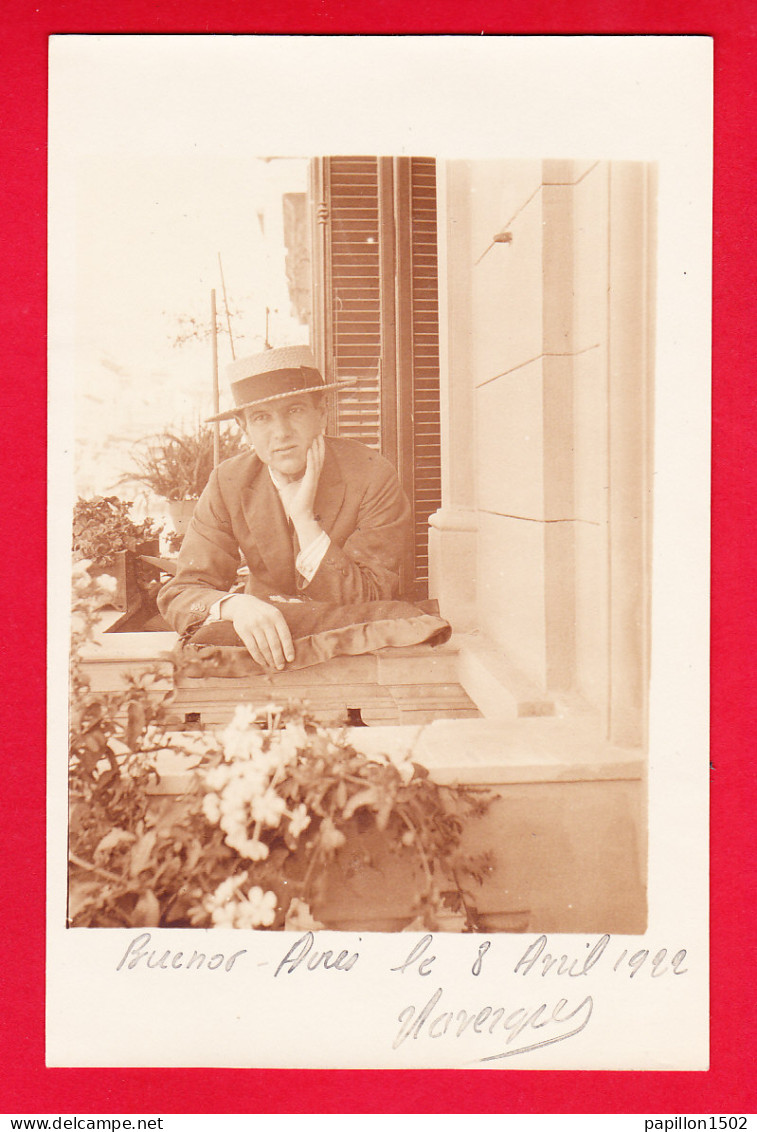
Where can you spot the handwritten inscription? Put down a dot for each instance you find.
(300, 951)
(528, 1027)
(537, 957)
(434, 1021)
(416, 956)
(513, 1025)
(173, 960)
(573, 967)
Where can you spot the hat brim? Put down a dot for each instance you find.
(229, 414)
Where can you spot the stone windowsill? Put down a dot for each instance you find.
(517, 741)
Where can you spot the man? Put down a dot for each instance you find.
(316, 518)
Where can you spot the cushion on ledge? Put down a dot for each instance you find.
(319, 631)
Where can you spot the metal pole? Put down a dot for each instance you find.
(226, 305)
(214, 340)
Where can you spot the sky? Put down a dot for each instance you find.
(148, 237)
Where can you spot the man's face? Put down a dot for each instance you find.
(281, 432)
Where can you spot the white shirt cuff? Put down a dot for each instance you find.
(214, 613)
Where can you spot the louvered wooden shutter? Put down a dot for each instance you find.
(376, 319)
(427, 488)
(351, 332)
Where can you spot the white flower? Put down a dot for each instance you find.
(108, 584)
(241, 744)
(224, 917)
(268, 808)
(237, 793)
(296, 734)
(288, 743)
(259, 909)
(245, 846)
(211, 807)
(237, 839)
(244, 716)
(331, 837)
(220, 901)
(299, 820)
(229, 909)
(232, 823)
(252, 849)
(217, 777)
(80, 569)
(254, 778)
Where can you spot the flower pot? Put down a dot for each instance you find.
(372, 884)
(128, 573)
(181, 511)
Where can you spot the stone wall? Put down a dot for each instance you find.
(542, 541)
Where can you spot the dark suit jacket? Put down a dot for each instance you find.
(359, 503)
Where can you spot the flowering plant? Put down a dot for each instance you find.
(116, 834)
(103, 525)
(305, 813)
(284, 819)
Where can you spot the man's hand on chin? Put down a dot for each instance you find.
(298, 496)
(262, 628)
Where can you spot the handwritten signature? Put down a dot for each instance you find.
(435, 1021)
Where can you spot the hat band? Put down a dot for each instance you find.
(276, 383)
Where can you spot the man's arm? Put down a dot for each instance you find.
(366, 566)
(207, 571)
(364, 550)
(207, 566)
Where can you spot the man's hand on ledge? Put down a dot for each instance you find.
(262, 628)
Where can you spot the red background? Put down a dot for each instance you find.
(25, 1084)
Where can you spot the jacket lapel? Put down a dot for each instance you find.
(330, 494)
(270, 530)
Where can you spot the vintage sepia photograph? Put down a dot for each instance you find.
(361, 544)
(361, 444)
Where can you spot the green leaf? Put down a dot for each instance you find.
(109, 842)
(146, 912)
(136, 724)
(340, 795)
(384, 810)
(371, 796)
(141, 853)
(81, 894)
(194, 852)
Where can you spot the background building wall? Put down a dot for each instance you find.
(542, 539)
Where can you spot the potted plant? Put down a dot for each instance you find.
(176, 466)
(111, 542)
(285, 825)
(103, 526)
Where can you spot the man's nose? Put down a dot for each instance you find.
(281, 424)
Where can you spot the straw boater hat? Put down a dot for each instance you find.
(280, 372)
